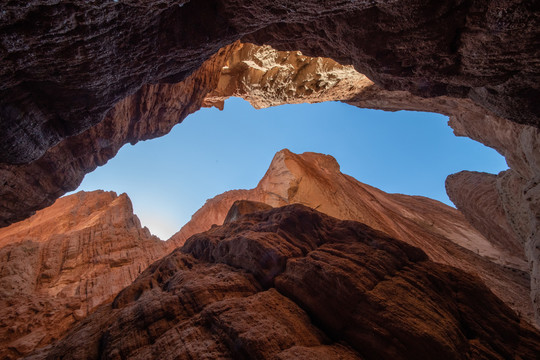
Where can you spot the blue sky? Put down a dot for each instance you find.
(213, 151)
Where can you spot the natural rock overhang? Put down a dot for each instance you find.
(65, 64)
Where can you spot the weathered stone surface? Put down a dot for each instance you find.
(59, 84)
(64, 262)
(150, 112)
(292, 282)
(266, 77)
(476, 196)
(521, 201)
(242, 207)
(64, 65)
(442, 232)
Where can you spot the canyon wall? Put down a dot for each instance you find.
(61, 268)
(294, 283)
(61, 264)
(65, 64)
(80, 79)
(442, 232)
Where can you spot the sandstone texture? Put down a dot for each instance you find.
(59, 84)
(65, 64)
(442, 232)
(64, 262)
(294, 283)
(266, 77)
(476, 195)
(79, 79)
(150, 112)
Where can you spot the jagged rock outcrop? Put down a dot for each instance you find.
(519, 201)
(40, 91)
(242, 207)
(442, 232)
(64, 262)
(150, 112)
(266, 77)
(64, 65)
(294, 283)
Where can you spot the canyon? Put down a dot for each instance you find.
(291, 282)
(61, 268)
(267, 77)
(80, 79)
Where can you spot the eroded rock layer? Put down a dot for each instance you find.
(442, 232)
(268, 77)
(65, 64)
(150, 112)
(294, 283)
(61, 264)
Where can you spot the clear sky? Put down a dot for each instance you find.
(213, 151)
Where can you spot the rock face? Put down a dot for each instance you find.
(268, 77)
(64, 65)
(294, 283)
(80, 70)
(64, 262)
(476, 195)
(79, 79)
(150, 112)
(442, 232)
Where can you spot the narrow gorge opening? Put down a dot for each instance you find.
(212, 151)
(310, 263)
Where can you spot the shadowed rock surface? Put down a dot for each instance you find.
(442, 232)
(59, 265)
(64, 65)
(476, 196)
(68, 259)
(294, 283)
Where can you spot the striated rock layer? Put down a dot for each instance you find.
(64, 262)
(150, 112)
(294, 283)
(65, 64)
(442, 232)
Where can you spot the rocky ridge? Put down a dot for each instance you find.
(294, 283)
(64, 262)
(442, 232)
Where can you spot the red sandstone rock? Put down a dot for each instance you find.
(442, 232)
(476, 196)
(67, 66)
(303, 284)
(150, 112)
(265, 77)
(64, 65)
(64, 262)
(242, 207)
